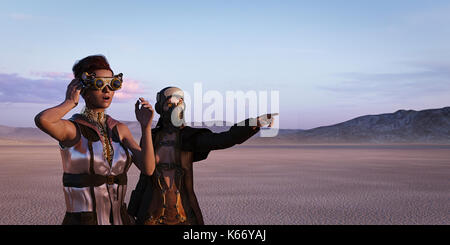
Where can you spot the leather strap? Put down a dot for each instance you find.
(92, 172)
(92, 180)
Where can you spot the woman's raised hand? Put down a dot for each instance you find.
(144, 113)
(73, 91)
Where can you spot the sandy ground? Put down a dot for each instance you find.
(291, 184)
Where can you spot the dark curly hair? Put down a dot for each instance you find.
(90, 64)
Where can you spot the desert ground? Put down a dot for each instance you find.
(264, 184)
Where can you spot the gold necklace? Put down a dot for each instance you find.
(99, 120)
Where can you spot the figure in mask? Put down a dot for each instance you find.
(167, 197)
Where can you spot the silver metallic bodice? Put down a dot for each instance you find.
(76, 160)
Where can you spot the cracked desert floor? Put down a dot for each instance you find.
(264, 184)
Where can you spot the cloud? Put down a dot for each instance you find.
(430, 79)
(15, 88)
(52, 75)
(20, 16)
(131, 89)
(50, 87)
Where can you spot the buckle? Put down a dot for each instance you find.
(110, 179)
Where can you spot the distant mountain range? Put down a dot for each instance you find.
(403, 126)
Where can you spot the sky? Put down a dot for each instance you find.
(330, 61)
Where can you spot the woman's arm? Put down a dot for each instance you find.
(143, 156)
(137, 152)
(147, 153)
(50, 120)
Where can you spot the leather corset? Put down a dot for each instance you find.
(166, 207)
(91, 183)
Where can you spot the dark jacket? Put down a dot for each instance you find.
(199, 141)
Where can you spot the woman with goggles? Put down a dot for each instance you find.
(96, 149)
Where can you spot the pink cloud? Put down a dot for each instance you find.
(131, 89)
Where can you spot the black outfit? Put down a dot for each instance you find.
(199, 141)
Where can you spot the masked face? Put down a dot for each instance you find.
(173, 111)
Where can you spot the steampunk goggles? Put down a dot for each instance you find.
(89, 80)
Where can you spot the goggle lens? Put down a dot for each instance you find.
(99, 84)
(116, 84)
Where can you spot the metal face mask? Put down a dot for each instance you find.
(98, 83)
(176, 109)
(173, 113)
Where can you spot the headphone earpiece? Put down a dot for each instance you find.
(157, 108)
(158, 104)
